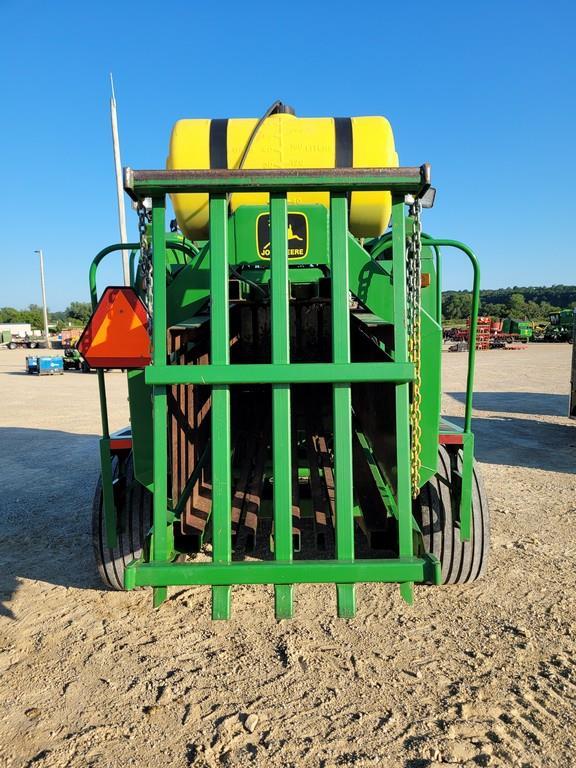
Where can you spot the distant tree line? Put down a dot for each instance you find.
(76, 313)
(532, 303)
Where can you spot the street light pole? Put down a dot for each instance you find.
(45, 308)
(119, 184)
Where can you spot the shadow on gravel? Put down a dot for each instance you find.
(523, 442)
(533, 403)
(48, 479)
(24, 373)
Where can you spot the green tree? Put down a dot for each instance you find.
(518, 307)
(33, 315)
(457, 305)
(547, 308)
(489, 309)
(79, 310)
(10, 315)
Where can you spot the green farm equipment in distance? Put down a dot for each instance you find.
(561, 327)
(73, 360)
(516, 330)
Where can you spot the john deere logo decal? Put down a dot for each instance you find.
(297, 235)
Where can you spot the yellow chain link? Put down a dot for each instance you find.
(415, 428)
(414, 349)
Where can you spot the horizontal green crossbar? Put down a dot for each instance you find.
(140, 574)
(297, 373)
(150, 183)
(449, 428)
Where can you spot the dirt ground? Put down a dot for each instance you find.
(482, 675)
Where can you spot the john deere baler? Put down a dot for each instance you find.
(283, 347)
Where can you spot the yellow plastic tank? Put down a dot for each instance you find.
(284, 141)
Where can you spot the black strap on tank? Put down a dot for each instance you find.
(343, 142)
(219, 144)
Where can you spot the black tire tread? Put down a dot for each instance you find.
(461, 562)
(135, 518)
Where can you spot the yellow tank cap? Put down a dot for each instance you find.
(284, 141)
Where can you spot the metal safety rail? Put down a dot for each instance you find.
(449, 433)
(283, 572)
(106, 444)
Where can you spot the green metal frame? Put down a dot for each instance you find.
(221, 574)
(159, 570)
(467, 434)
(467, 437)
(108, 503)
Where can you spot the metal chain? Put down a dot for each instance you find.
(145, 254)
(414, 280)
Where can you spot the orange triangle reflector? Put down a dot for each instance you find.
(117, 334)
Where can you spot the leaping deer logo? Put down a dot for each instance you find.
(291, 236)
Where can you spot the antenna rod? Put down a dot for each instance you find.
(44, 306)
(119, 187)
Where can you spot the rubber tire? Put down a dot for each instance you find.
(32, 345)
(135, 521)
(462, 561)
(12, 345)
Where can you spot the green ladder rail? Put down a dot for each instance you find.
(466, 434)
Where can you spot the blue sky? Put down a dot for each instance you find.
(483, 91)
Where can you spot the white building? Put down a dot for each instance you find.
(17, 329)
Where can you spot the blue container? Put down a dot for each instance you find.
(32, 364)
(50, 365)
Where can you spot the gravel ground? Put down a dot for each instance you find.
(481, 675)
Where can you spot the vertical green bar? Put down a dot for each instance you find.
(220, 355)
(103, 404)
(341, 398)
(281, 442)
(161, 545)
(404, 492)
(472, 340)
(108, 505)
(467, 482)
(438, 285)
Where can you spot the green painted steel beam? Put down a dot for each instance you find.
(220, 355)
(134, 249)
(380, 480)
(443, 243)
(147, 183)
(161, 545)
(438, 314)
(96, 263)
(281, 428)
(103, 402)
(108, 504)
(467, 481)
(341, 398)
(191, 482)
(449, 428)
(403, 569)
(264, 373)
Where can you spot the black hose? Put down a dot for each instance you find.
(243, 279)
(277, 106)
